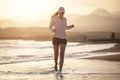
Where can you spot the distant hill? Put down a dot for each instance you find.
(98, 20)
(117, 13)
(101, 12)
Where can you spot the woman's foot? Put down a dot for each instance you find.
(56, 68)
(59, 73)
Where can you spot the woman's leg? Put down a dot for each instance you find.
(62, 51)
(56, 53)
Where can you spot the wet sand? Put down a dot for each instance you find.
(74, 69)
(105, 66)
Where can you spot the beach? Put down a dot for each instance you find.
(84, 63)
(74, 69)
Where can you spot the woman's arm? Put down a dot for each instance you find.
(69, 27)
(51, 28)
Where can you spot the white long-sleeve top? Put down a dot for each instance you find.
(58, 27)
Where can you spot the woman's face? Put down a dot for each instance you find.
(61, 14)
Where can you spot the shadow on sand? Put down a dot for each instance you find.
(111, 57)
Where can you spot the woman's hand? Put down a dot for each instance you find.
(69, 27)
(54, 30)
(72, 26)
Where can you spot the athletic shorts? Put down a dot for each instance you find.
(57, 41)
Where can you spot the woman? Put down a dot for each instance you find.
(58, 25)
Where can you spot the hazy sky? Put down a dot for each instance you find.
(27, 9)
(34, 7)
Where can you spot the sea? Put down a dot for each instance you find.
(20, 51)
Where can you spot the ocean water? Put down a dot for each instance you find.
(19, 51)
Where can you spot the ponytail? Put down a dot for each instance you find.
(55, 14)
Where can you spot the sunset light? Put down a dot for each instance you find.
(38, 12)
(27, 9)
(59, 39)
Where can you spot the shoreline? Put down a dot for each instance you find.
(74, 69)
(108, 57)
(105, 66)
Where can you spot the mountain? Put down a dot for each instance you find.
(98, 20)
(116, 13)
(101, 12)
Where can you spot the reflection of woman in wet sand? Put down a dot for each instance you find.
(58, 25)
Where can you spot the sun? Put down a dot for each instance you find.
(28, 9)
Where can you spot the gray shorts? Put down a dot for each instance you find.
(57, 41)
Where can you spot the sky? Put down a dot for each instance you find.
(24, 10)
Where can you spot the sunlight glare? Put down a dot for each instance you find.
(28, 9)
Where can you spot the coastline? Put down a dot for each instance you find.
(112, 54)
(105, 66)
(94, 68)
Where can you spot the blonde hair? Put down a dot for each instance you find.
(55, 14)
(60, 9)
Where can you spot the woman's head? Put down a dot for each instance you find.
(61, 9)
(60, 12)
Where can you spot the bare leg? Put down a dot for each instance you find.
(62, 51)
(56, 53)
